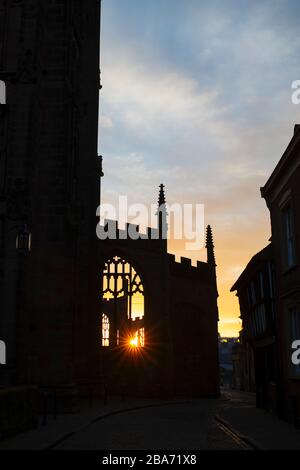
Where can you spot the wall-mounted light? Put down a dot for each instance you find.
(23, 240)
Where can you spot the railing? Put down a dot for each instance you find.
(51, 397)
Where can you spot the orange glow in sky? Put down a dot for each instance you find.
(193, 102)
(233, 250)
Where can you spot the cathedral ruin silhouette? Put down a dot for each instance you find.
(66, 298)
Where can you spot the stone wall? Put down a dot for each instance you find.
(18, 410)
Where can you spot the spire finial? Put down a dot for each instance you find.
(211, 263)
(162, 215)
(162, 197)
(210, 246)
(101, 174)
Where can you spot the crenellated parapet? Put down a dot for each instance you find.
(185, 268)
(137, 323)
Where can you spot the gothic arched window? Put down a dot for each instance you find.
(105, 330)
(123, 302)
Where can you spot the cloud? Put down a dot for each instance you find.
(200, 100)
(105, 122)
(152, 100)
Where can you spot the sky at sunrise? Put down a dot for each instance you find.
(197, 95)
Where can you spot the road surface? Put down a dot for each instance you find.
(188, 426)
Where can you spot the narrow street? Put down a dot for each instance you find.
(172, 427)
(231, 422)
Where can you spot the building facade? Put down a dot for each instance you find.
(269, 292)
(256, 356)
(49, 188)
(63, 323)
(159, 316)
(282, 196)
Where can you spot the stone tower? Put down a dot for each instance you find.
(49, 189)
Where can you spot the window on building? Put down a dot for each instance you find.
(289, 235)
(260, 313)
(138, 338)
(257, 318)
(271, 289)
(261, 285)
(295, 331)
(271, 279)
(123, 301)
(253, 293)
(249, 297)
(105, 330)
